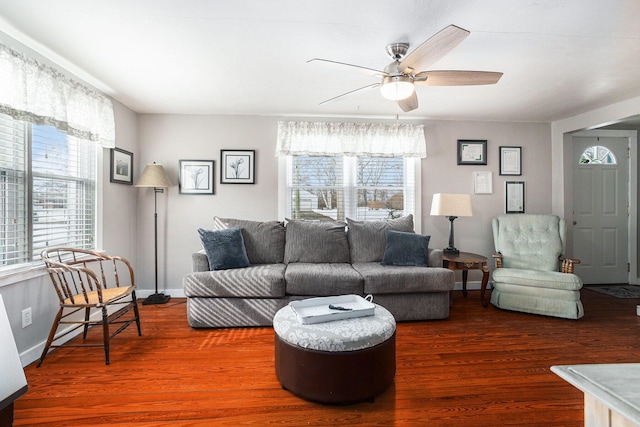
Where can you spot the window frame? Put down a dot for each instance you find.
(284, 201)
(33, 268)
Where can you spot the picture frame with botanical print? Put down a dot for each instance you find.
(121, 166)
(196, 177)
(472, 151)
(237, 166)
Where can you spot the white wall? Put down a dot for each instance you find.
(119, 200)
(167, 139)
(441, 174)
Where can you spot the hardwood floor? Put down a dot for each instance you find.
(481, 367)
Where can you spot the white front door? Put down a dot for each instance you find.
(600, 206)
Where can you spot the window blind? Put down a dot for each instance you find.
(14, 227)
(63, 195)
(47, 191)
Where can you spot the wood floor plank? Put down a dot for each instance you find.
(480, 367)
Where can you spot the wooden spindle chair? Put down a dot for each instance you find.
(97, 284)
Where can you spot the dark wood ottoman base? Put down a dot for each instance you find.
(336, 377)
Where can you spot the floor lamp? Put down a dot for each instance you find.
(155, 176)
(452, 206)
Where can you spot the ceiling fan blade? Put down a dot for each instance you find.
(457, 78)
(410, 103)
(371, 86)
(366, 70)
(433, 49)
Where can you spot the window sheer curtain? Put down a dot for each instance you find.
(350, 139)
(37, 93)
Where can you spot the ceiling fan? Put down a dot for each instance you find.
(399, 78)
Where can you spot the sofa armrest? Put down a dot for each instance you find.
(200, 261)
(434, 257)
(567, 264)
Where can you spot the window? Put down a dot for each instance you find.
(361, 188)
(47, 191)
(598, 155)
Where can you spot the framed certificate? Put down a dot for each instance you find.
(483, 182)
(510, 160)
(472, 151)
(514, 197)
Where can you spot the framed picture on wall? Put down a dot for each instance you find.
(510, 160)
(472, 151)
(483, 182)
(196, 176)
(514, 196)
(238, 167)
(121, 166)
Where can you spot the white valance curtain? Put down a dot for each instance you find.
(350, 139)
(37, 93)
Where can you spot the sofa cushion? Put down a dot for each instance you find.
(367, 239)
(536, 292)
(322, 279)
(404, 248)
(224, 248)
(316, 242)
(537, 278)
(391, 279)
(264, 241)
(256, 281)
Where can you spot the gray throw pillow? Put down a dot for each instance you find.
(264, 241)
(224, 248)
(406, 249)
(367, 239)
(316, 241)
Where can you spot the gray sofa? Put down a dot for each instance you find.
(309, 259)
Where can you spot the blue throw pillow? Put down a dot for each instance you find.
(404, 248)
(225, 248)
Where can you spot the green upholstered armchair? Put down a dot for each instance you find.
(531, 275)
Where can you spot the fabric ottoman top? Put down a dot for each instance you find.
(351, 334)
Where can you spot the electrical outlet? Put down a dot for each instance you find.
(26, 317)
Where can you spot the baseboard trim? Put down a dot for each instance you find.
(471, 286)
(32, 354)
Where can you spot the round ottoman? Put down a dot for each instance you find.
(337, 362)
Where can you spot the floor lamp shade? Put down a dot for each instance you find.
(451, 206)
(155, 176)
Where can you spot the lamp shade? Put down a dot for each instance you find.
(451, 205)
(154, 176)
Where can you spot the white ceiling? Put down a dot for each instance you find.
(559, 58)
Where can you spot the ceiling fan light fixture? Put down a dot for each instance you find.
(396, 88)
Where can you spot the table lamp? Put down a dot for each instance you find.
(452, 206)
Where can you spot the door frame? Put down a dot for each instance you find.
(632, 222)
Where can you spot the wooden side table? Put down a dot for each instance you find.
(466, 261)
